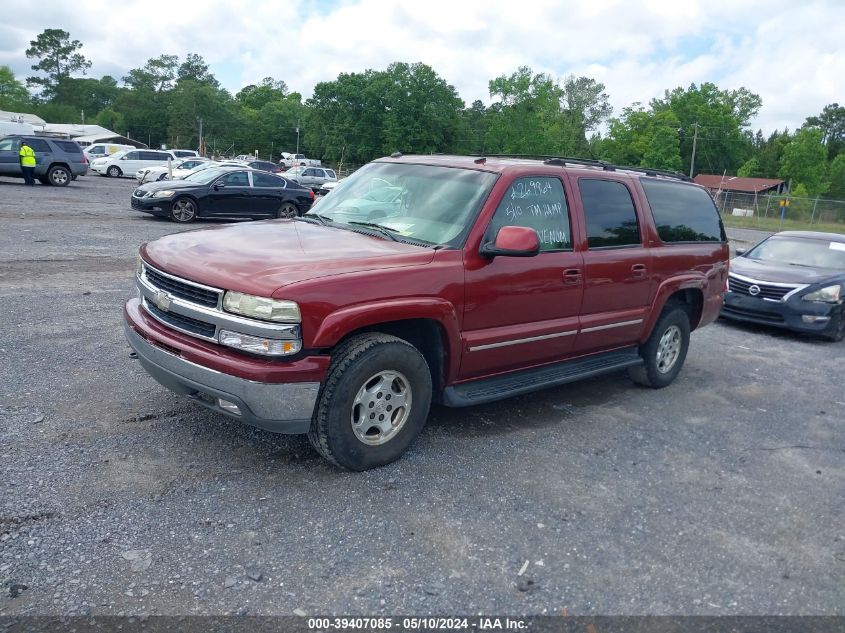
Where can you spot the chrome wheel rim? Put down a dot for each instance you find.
(668, 349)
(183, 210)
(287, 211)
(60, 177)
(381, 407)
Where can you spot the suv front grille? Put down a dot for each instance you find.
(181, 289)
(767, 291)
(182, 322)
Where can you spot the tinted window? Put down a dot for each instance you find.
(309, 172)
(97, 150)
(132, 156)
(261, 179)
(236, 179)
(183, 153)
(330, 173)
(609, 213)
(8, 144)
(683, 213)
(69, 146)
(38, 145)
(537, 203)
(156, 156)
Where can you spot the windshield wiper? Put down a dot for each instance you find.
(384, 230)
(322, 219)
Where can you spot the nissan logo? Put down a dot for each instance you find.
(754, 290)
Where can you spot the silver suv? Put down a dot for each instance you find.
(57, 161)
(311, 176)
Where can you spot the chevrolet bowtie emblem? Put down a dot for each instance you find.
(162, 300)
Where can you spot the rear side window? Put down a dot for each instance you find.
(330, 173)
(69, 146)
(609, 212)
(38, 145)
(683, 213)
(539, 203)
(260, 179)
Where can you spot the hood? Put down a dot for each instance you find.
(261, 257)
(158, 185)
(781, 273)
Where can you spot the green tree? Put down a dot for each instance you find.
(156, 75)
(13, 94)
(194, 100)
(836, 175)
(714, 118)
(59, 58)
(750, 169)
(111, 120)
(831, 121)
(643, 138)
(257, 96)
(804, 161)
(195, 68)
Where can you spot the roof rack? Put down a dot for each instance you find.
(592, 162)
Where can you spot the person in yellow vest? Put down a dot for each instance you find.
(28, 163)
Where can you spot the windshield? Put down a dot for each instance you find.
(205, 176)
(419, 202)
(799, 251)
(118, 154)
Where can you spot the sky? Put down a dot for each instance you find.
(791, 53)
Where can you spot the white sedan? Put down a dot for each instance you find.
(181, 168)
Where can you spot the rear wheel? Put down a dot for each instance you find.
(183, 210)
(287, 210)
(373, 404)
(58, 176)
(114, 172)
(665, 350)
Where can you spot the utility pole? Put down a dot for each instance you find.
(83, 117)
(694, 141)
(200, 148)
(297, 136)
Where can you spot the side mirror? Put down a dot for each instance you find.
(512, 241)
(739, 251)
(218, 186)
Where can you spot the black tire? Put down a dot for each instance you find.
(665, 350)
(59, 176)
(183, 210)
(837, 330)
(391, 367)
(114, 172)
(287, 210)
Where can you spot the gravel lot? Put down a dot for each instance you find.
(722, 494)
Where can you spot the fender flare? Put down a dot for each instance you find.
(348, 319)
(668, 287)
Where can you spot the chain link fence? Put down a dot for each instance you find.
(776, 212)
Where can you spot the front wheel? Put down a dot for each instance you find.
(114, 172)
(183, 210)
(837, 330)
(373, 403)
(665, 350)
(287, 210)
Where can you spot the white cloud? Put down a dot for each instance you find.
(791, 54)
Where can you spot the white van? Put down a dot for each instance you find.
(101, 150)
(128, 163)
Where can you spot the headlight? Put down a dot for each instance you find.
(829, 294)
(259, 345)
(164, 193)
(261, 307)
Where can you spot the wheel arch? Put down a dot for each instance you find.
(430, 325)
(685, 292)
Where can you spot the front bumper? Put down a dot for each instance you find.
(280, 407)
(783, 314)
(156, 206)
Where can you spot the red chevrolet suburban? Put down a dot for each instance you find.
(419, 279)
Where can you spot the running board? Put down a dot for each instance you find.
(528, 380)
